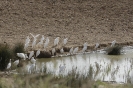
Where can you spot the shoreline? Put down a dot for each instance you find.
(90, 48)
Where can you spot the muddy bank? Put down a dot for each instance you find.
(48, 53)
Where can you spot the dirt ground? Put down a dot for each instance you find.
(81, 21)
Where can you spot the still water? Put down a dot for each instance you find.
(117, 68)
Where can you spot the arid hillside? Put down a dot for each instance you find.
(81, 21)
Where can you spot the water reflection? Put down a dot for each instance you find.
(97, 65)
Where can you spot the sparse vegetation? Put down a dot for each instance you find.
(48, 81)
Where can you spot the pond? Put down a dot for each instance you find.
(96, 65)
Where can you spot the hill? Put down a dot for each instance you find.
(81, 21)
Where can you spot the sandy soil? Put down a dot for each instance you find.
(81, 21)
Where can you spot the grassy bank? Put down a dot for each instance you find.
(48, 81)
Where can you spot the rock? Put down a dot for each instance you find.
(44, 54)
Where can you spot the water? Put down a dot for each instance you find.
(117, 68)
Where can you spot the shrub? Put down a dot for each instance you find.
(18, 48)
(116, 50)
(5, 55)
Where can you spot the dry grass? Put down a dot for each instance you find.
(48, 81)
